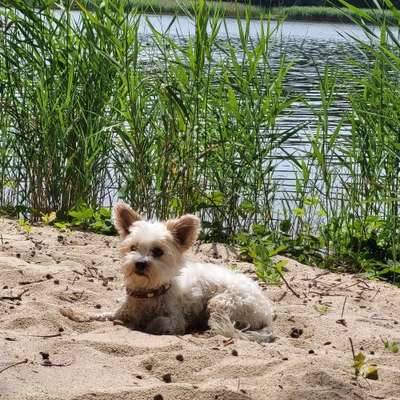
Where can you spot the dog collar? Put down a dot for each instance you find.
(147, 294)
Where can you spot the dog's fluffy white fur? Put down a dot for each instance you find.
(199, 295)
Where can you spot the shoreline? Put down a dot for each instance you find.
(241, 10)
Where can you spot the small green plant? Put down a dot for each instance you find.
(321, 309)
(361, 368)
(97, 221)
(24, 224)
(48, 218)
(390, 345)
(260, 247)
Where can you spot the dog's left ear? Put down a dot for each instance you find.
(124, 217)
(184, 230)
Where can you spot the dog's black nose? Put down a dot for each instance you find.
(140, 267)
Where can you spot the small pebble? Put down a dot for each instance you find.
(179, 357)
(139, 377)
(60, 329)
(296, 333)
(98, 306)
(158, 397)
(327, 343)
(285, 359)
(56, 281)
(18, 255)
(5, 287)
(167, 378)
(49, 276)
(45, 355)
(235, 353)
(311, 351)
(149, 367)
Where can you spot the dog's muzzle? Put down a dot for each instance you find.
(141, 267)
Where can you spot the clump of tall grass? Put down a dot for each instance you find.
(349, 185)
(178, 126)
(59, 84)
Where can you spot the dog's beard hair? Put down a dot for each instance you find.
(158, 272)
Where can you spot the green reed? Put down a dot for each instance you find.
(347, 196)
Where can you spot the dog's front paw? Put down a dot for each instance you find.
(161, 326)
(74, 315)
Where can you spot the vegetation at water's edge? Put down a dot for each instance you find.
(174, 7)
(233, 9)
(92, 111)
(323, 13)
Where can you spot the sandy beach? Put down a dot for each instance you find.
(43, 355)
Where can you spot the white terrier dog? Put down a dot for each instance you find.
(166, 294)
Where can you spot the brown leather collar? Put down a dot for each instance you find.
(147, 294)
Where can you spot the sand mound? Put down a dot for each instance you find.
(60, 359)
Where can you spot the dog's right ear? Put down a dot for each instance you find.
(184, 230)
(124, 217)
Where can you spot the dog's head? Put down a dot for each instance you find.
(153, 251)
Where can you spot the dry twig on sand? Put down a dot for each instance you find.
(13, 365)
(17, 297)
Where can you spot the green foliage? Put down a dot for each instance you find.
(393, 347)
(362, 368)
(331, 13)
(358, 363)
(261, 246)
(96, 221)
(24, 224)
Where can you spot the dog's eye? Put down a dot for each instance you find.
(157, 252)
(133, 248)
